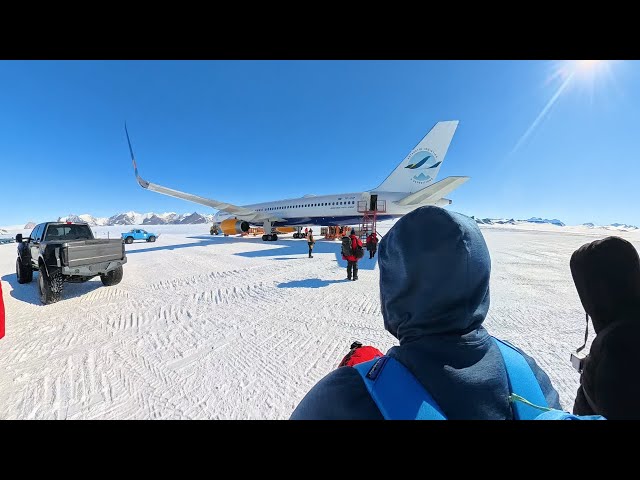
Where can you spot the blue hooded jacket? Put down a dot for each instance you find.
(434, 289)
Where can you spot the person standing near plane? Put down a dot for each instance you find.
(310, 241)
(372, 244)
(351, 256)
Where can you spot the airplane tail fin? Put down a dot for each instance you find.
(420, 167)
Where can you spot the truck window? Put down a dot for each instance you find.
(37, 232)
(68, 232)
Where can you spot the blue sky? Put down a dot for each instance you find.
(248, 131)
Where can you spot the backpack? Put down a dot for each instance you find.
(359, 353)
(359, 253)
(346, 247)
(399, 395)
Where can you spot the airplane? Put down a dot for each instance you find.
(409, 186)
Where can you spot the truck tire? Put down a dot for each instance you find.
(128, 240)
(113, 277)
(50, 286)
(24, 274)
(152, 238)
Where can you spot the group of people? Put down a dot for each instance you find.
(434, 292)
(351, 258)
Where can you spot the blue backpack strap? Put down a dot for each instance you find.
(522, 382)
(397, 393)
(560, 415)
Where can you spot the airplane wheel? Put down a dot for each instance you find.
(264, 238)
(274, 237)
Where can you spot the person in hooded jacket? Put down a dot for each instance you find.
(352, 260)
(310, 242)
(606, 274)
(434, 290)
(372, 244)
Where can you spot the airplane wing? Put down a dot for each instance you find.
(235, 210)
(433, 192)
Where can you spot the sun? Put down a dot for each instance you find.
(585, 71)
(586, 75)
(586, 65)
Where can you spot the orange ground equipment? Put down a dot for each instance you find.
(332, 233)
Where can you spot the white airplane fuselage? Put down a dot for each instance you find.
(330, 210)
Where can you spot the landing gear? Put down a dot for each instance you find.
(298, 233)
(271, 236)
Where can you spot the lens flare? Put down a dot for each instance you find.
(569, 72)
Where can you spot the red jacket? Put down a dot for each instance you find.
(360, 355)
(355, 241)
(1, 313)
(372, 241)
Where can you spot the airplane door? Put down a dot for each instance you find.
(373, 203)
(364, 202)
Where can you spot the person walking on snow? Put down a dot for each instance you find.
(372, 244)
(310, 242)
(352, 265)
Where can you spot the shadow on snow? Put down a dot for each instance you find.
(299, 249)
(289, 249)
(29, 293)
(310, 283)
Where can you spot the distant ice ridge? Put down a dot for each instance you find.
(621, 227)
(134, 218)
(511, 221)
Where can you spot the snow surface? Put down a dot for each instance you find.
(236, 328)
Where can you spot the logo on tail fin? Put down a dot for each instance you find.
(423, 160)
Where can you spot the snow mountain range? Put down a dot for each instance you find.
(134, 218)
(623, 227)
(172, 218)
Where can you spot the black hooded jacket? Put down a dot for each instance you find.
(434, 292)
(607, 277)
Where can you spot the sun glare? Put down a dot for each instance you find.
(586, 65)
(586, 74)
(584, 69)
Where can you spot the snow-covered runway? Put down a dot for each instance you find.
(237, 328)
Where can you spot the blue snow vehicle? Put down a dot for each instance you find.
(138, 234)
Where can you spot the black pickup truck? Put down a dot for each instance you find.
(67, 252)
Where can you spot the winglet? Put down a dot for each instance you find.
(143, 183)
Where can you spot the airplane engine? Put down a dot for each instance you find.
(232, 226)
(443, 202)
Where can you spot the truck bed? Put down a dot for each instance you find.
(86, 252)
